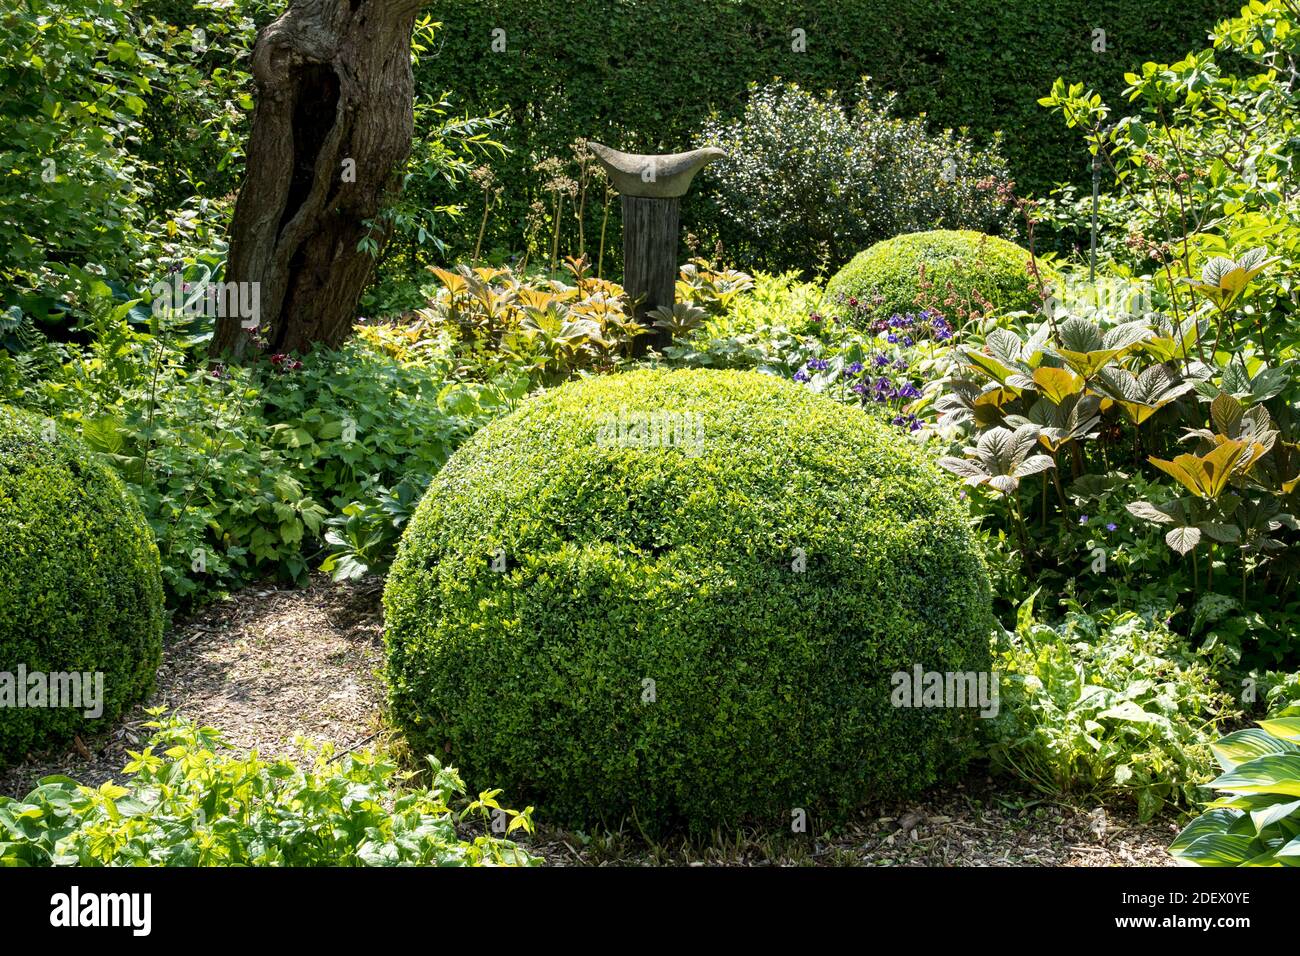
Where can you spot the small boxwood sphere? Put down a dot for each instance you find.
(679, 597)
(80, 585)
(970, 261)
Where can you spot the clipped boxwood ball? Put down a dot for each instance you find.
(80, 589)
(680, 597)
(969, 261)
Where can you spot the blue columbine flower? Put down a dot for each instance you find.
(801, 376)
(855, 368)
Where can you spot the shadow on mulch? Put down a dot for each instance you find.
(263, 666)
(271, 663)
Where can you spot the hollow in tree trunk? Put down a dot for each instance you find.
(330, 135)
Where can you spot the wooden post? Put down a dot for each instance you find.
(650, 228)
(651, 187)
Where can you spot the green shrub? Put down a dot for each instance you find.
(700, 630)
(963, 63)
(807, 181)
(80, 588)
(1094, 710)
(1256, 821)
(188, 801)
(961, 270)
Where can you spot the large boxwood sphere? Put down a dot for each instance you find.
(697, 632)
(970, 261)
(80, 582)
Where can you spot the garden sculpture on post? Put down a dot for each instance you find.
(652, 188)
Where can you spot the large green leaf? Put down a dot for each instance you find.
(1272, 773)
(1221, 849)
(1287, 728)
(1243, 746)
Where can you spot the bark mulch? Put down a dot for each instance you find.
(263, 666)
(271, 663)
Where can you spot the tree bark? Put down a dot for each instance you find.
(334, 85)
(650, 227)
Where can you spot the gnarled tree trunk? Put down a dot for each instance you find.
(331, 132)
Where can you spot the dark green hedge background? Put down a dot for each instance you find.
(641, 74)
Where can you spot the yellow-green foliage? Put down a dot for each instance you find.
(700, 631)
(80, 583)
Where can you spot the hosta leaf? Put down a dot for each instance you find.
(1272, 773)
(1220, 849)
(1208, 823)
(1264, 817)
(1287, 728)
(1242, 746)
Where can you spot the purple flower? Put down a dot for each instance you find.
(801, 376)
(860, 388)
(855, 368)
(891, 338)
(900, 365)
(907, 340)
(1111, 526)
(818, 365)
(1083, 519)
(881, 359)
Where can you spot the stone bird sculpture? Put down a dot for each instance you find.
(667, 176)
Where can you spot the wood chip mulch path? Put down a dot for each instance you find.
(263, 666)
(271, 663)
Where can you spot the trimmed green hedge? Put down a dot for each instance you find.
(699, 632)
(80, 584)
(957, 262)
(643, 74)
